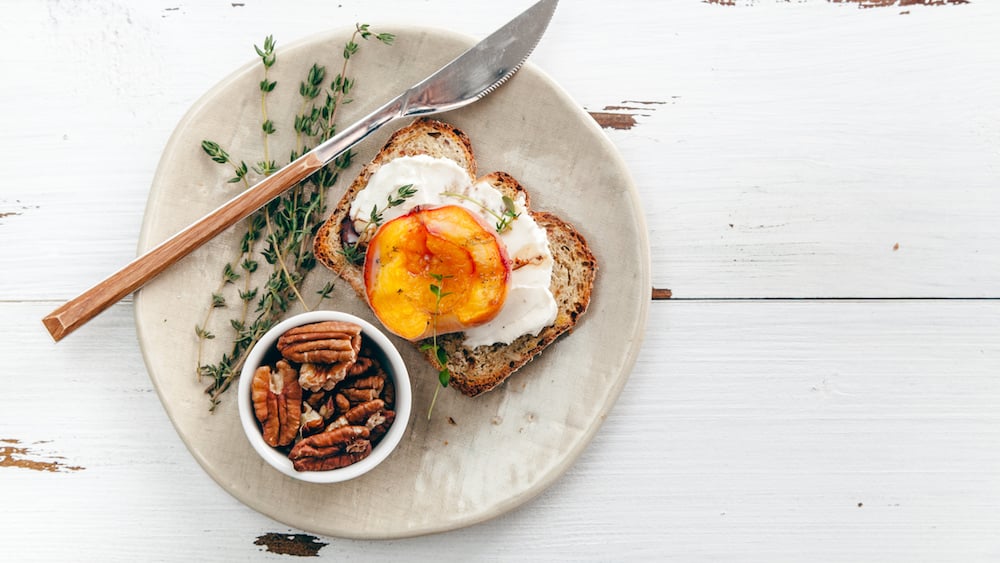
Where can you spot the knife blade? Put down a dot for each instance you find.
(468, 78)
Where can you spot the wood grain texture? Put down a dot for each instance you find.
(820, 158)
(749, 430)
(797, 155)
(781, 150)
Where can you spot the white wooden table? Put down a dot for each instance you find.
(821, 182)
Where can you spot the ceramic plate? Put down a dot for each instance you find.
(475, 458)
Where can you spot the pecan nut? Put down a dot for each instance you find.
(331, 449)
(359, 415)
(328, 402)
(326, 350)
(389, 393)
(277, 403)
(316, 399)
(311, 421)
(328, 342)
(334, 461)
(322, 377)
(380, 423)
(341, 402)
(361, 366)
(364, 389)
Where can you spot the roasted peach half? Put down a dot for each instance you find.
(444, 247)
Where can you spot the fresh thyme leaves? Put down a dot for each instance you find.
(241, 173)
(375, 217)
(306, 121)
(279, 236)
(217, 154)
(355, 253)
(439, 353)
(509, 214)
(325, 291)
(267, 59)
(342, 85)
(402, 194)
(229, 275)
(366, 33)
(266, 54)
(504, 218)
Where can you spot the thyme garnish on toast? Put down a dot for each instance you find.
(439, 353)
(504, 218)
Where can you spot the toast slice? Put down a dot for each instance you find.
(480, 369)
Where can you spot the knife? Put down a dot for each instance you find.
(468, 78)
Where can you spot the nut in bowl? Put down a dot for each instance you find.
(324, 397)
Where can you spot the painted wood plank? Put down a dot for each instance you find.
(790, 149)
(750, 430)
(780, 149)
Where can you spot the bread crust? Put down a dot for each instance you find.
(480, 369)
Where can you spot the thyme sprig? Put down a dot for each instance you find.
(354, 253)
(229, 275)
(267, 59)
(342, 84)
(439, 354)
(306, 121)
(504, 218)
(393, 199)
(282, 231)
(217, 154)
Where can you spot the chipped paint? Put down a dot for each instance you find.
(863, 4)
(16, 204)
(606, 120)
(662, 293)
(299, 545)
(623, 115)
(13, 454)
(899, 3)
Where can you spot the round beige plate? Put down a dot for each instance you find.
(476, 458)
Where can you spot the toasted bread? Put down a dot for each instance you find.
(479, 369)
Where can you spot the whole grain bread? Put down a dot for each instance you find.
(480, 369)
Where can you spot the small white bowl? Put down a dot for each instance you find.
(393, 365)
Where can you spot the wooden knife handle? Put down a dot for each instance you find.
(78, 311)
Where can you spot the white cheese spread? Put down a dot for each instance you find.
(529, 306)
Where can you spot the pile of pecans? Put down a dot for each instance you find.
(328, 401)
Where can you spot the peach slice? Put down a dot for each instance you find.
(448, 247)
